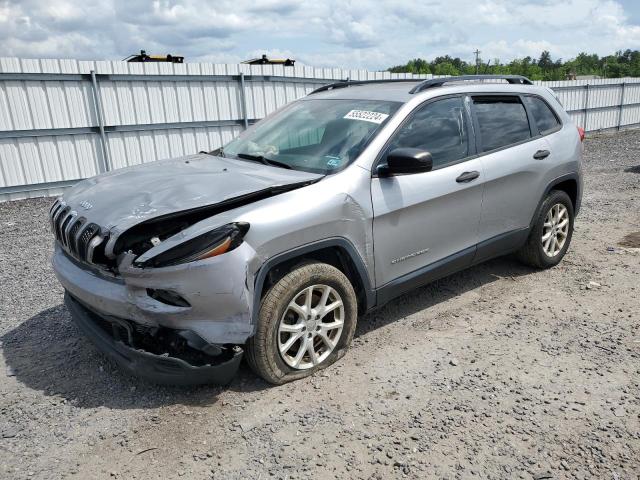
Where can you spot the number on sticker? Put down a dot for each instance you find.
(367, 116)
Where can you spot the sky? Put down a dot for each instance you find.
(344, 33)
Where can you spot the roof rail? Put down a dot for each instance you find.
(425, 84)
(349, 83)
(438, 82)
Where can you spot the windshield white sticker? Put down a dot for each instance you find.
(365, 115)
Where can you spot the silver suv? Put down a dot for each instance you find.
(328, 208)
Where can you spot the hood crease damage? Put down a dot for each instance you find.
(138, 238)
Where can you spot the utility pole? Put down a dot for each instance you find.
(477, 53)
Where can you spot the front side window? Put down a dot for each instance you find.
(502, 121)
(543, 116)
(314, 135)
(438, 127)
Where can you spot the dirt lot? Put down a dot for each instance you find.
(497, 372)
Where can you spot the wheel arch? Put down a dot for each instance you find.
(569, 184)
(337, 251)
(570, 187)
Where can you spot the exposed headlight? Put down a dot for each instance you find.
(207, 245)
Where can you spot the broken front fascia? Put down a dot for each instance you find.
(184, 367)
(215, 288)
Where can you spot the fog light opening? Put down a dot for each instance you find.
(168, 298)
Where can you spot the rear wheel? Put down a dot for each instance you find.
(550, 236)
(306, 322)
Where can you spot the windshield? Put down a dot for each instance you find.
(317, 135)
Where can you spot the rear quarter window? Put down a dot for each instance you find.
(543, 116)
(502, 121)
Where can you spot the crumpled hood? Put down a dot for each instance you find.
(128, 196)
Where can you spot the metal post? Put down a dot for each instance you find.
(621, 107)
(586, 106)
(243, 100)
(106, 163)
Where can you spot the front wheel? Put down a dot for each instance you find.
(550, 236)
(306, 322)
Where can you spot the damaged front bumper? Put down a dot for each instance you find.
(157, 368)
(191, 335)
(218, 302)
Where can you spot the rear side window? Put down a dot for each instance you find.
(542, 114)
(502, 121)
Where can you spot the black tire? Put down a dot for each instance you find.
(262, 351)
(532, 253)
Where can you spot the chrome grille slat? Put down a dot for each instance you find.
(93, 244)
(57, 213)
(84, 236)
(52, 215)
(55, 205)
(62, 215)
(74, 231)
(66, 225)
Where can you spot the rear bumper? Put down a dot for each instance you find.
(161, 369)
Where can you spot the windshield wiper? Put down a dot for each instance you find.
(264, 160)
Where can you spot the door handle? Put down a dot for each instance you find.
(540, 154)
(468, 177)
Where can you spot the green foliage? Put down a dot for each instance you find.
(621, 64)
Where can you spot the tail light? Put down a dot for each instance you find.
(581, 133)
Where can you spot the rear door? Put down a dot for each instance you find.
(515, 159)
(424, 218)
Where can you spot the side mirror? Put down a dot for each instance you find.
(406, 160)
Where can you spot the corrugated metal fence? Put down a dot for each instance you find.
(64, 120)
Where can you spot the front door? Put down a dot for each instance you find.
(426, 221)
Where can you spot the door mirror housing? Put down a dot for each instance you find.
(405, 161)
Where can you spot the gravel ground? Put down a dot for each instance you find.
(499, 371)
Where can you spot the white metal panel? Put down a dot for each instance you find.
(632, 93)
(56, 95)
(18, 105)
(602, 119)
(38, 105)
(11, 164)
(32, 160)
(69, 161)
(87, 152)
(6, 122)
(80, 104)
(630, 115)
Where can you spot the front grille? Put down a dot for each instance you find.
(80, 239)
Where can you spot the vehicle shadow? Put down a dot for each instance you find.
(48, 353)
(441, 291)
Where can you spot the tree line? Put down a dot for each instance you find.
(621, 64)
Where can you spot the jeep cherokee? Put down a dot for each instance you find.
(331, 206)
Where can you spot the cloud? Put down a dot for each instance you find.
(345, 33)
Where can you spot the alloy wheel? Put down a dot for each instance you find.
(310, 327)
(555, 230)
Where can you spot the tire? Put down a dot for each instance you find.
(536, 252)
(276, 313)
